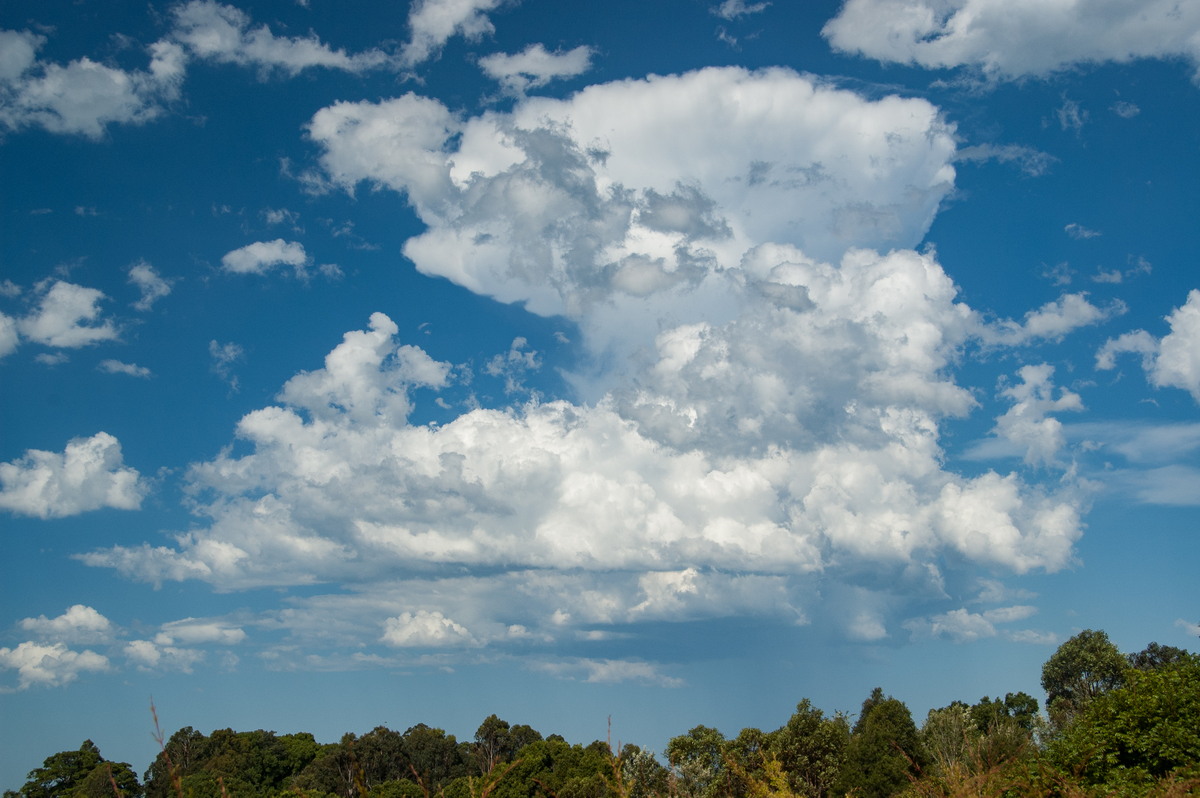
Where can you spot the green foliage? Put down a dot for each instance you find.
(1086, 666)
(884, 751)
(810, 749)
(80, 774)
(698, 762)
(1145, 730)
(1123, 725)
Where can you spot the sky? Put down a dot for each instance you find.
(663, 363)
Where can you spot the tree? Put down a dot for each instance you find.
(698, 761)
(1156, 656)
(810, 749)
(1147, 729)
(1083, 668)
(492, 743)
(80, 774)
(884, 751)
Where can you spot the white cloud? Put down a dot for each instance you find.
(223, 357)
(84, 96)
(1125, 110)
(89, 475)
(1032, 162)
(534, 67)
(1170, 362)
(1078, 231)
(67, 315)
(964, 626)
(762, 415)
(147, 655)
(129, 369)
(634, 184)
(223, 33)
(79, 624)
(424, 629)
(732, 9)
(1007, 41)
(1052, 321)
(49, 665)
(605, 671)
(10, 339)
(434, 22)
(152, 286)
(262, 256)
(1027, 423)
(1189, 627)
(514, 365)
(195, 631)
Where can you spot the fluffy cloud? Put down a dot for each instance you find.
(1027, 424)
(148, 655)
(49, 665)
(84, 96)
(67, 315)
(338, 486)
(1008, 41)
(434, 22)
(88, 475)
(615, 206)
(79, 624)
(262, 256)
(1052, 321)
(153, 287)
(534, 67)
(759, 427)
(963, 626)
(1170, 362)
(424, 629)
(223, 33)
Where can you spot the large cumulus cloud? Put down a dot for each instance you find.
(759, 430)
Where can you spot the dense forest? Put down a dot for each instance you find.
(1114, 725)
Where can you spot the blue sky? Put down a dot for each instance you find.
(366, 363)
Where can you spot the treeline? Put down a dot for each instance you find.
(1114, 725)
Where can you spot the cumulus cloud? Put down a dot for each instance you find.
(89, 475)
(49, 665)
(84, 96)
(424, 629)
(223, 33)
(1052, 321)
(964, 626)
(433, 22)
(1170, 362)
(624, 197)
(262, 256)
(67, 315)
(1027, 424)
(79, 624)
(152, 286)
(534, 67)
(761, 415)
(1007, 42)
(148, 655)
